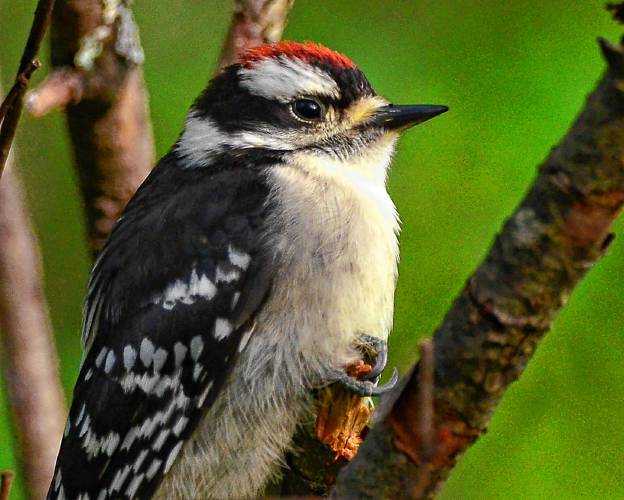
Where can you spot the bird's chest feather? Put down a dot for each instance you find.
(338, 251)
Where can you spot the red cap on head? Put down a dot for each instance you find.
(307, 51)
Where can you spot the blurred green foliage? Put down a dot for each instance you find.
(514, 74)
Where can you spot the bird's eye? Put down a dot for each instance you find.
(307, 109)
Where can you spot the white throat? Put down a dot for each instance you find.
(366, 170)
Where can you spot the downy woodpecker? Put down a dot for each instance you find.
(254, 264)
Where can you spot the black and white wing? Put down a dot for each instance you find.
(169, 304)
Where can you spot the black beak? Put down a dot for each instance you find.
(401, 117)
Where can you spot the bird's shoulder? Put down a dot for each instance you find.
(183, 228)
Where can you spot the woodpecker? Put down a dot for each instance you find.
(256, 262)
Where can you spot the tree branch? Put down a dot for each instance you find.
(557, 233)
(17, 89)
(426, 417)
(11, 108)
(31, 363)
(98, 78)
(6, 480)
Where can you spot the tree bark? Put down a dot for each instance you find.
(99, 80)
(6, 480)
(31, 367)
(560, 229)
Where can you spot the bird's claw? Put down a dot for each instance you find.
(376, 350)
(366, 388)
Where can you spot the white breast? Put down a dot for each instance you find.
(339, 253)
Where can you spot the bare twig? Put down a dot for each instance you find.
(6, 480)
(254, 22)
(554, 237)
(21, 83)
(30, 361)
(11, 108)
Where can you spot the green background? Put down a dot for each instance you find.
(514, 74)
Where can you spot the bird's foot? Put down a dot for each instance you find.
(375, 353)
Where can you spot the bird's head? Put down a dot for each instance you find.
(303, 102)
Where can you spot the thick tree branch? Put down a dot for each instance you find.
(11, 108)
(98, 78)
(557, 233)
(30, 363)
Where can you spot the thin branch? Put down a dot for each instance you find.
(426, 427)
(6, 480)
(254, 22)
(558, 232)
(11, 108)
(18, 88)
(30, 362)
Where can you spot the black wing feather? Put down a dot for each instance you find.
(158, 355)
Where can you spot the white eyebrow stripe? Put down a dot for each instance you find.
(283, 78)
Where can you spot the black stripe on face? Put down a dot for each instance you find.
(234, 108)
